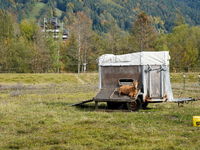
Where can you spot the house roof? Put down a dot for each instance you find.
(57, 24)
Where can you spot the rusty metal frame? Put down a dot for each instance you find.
(99, 77)
(158, 69)
(161, 81)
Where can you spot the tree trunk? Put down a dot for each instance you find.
(58, 58)
(112, 46)
(1, 60)
(141, 42)
(35, 62)
(85, 55)
(82, 63)
(79, 51)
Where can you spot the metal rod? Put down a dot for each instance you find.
(161, 81)
(199, 79)
(184, 80)
(99, 77)
(143, 82)
(149, 81)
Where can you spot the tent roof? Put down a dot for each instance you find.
(139, 58)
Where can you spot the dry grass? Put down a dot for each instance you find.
(192, 84)
(40, 117)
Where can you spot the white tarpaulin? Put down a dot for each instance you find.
(139, 58)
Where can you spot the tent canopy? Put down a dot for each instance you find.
(139, 58)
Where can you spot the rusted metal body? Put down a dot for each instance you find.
(110, 75)
(156, 83)
(151, 84)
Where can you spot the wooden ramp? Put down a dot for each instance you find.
(112, 95)
(83, 102)
(109, 95)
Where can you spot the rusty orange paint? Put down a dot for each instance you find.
(145, 100)
(166, 97)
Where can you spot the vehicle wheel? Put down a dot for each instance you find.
(144, 105)
(134, 106)
(114, 105)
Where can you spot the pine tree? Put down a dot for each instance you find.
(69, 54)
(179, 19)
(6, 35)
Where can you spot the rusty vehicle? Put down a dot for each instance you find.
(150, 69)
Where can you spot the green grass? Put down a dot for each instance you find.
(39, 116)
(58, 12)
(33, 14)
(189, 77)
(192, 83)
(37, 78)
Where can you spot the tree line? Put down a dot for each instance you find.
(24, 48)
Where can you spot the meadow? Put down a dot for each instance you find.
(35, 113)
(34, 14)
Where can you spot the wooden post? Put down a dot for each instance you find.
(96, 105)
(184, 80)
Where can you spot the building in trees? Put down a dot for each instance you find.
(55, 29)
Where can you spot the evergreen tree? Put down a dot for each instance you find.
(51, 54)
(179, 19)
(69, 54)
(6, 36)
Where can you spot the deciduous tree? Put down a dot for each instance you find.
(80, 24)
(143, 35)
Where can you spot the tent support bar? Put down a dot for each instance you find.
(161, 81)
(149, 73)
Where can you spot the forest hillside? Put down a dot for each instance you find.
(124, 12)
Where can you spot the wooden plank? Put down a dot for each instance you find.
(114, 100)
(111, 96)
(98, 93)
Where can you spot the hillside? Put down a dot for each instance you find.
(34, 14)
(124, 12)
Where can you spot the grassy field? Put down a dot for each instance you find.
(58, 12)
(35, 113)
(35, 12)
